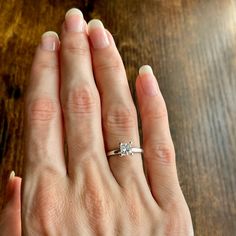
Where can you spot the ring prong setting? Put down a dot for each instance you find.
(126, 149)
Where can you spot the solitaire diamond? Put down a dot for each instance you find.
(126, 149)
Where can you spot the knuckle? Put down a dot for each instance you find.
(88, 153)
(174, 203)
(119, 117)
(161, 152)
(139, 211)
(75, 44)
(178, 222)
(96, 203)
(80, 101)
(114, 65)
(157, 112)
(47, 65)
(43, 109)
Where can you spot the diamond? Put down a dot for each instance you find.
(126, 149)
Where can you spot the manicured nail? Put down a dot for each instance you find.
(97, 34)
(148, 80)
(74, 20)
(50, 41)
(10, 187)
(12, 175)
(146, 69)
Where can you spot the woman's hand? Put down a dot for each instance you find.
(79, 93)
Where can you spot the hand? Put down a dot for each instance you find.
(79, 92)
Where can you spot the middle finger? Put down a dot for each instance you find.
(79, 97)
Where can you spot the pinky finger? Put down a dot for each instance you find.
(159, 154)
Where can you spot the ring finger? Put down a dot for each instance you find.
(118, 110)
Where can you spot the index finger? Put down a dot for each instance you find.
(44, 138)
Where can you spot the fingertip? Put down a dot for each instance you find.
(73, 11)
(50, 34)
(13, 189)
(46, 55)
(97, 34)
(12, 175)
(147, 82)
(95, 24)
(10, 184)
(50, 41)
(110, 38)
(145, 69)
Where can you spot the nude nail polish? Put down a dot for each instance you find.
(74, 21)
(10, 187)
(12, 175)
(146, 69)
(97, 34)
(148, 81)
(50, 41)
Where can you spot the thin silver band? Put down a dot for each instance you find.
(118, 152)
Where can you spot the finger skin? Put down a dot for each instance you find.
(119, 116)
(43, 123)
(10, 220)
(80, 98)
(159, 154)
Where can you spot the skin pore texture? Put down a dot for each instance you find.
(78, 92)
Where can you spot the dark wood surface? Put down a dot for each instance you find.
(191, 45)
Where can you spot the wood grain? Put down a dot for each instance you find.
(191, 45)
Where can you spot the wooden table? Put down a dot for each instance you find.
(191, 45)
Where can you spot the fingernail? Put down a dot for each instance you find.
(74, 20)
(12, 175)
(10, 187)
(50, 41)
(148, 80)
(97, 34)
(146, 69)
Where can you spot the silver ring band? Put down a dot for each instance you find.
(125, 149)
